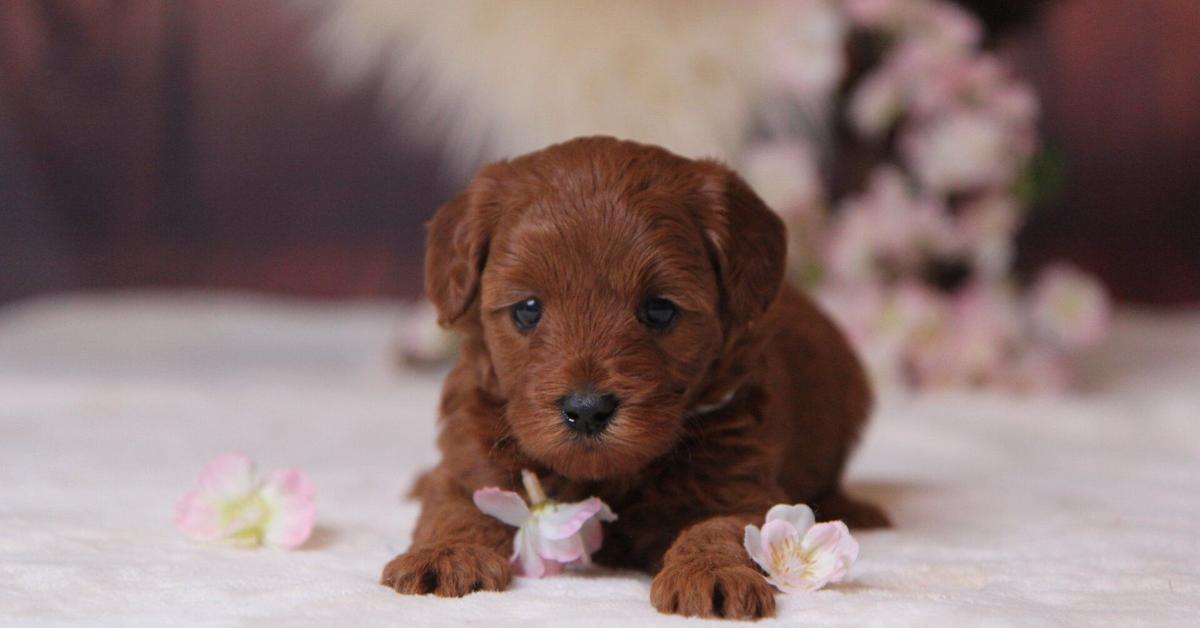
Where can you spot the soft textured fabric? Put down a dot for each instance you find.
(1082, 509)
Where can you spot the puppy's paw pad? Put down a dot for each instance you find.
(448, 571)
(697, 590)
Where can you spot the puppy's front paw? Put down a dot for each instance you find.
(696, 589)
(448, 571)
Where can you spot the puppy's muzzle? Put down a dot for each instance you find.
(588, 412)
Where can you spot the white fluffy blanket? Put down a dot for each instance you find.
(1009, 511)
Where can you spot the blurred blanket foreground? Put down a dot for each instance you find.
(1008, 510)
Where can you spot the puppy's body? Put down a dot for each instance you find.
(746, 398)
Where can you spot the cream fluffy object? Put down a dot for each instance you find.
(1009, 511)
(493, 78)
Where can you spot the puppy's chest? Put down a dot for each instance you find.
(663, 485)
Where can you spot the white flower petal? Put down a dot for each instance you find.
(506, 506)
(565, 550)
(592, 535)
(559, 521)
(799, 515)
(526, 561)
(216, 502)
(775, 538)
(831, 550)
(287, 497)
(796, 562)
(752, 541)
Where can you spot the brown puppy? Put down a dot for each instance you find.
(626, 336)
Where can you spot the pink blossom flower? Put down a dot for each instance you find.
(852, 244)
(886, 231)
(969, 125)
(927, 76)
(228, 503)
(1068, 307)
(982, 334)
(886, 324)
(550, 535)
(964, 151)
(911, 314)
(876, 102)
(987, 229)
(1014, 102)
(798, 554)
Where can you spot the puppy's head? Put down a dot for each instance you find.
(604, 280)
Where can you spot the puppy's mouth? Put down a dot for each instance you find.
(595, 444)
(591, 460)
(628, 442)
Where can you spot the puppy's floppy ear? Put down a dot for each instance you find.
(747, 242)
(456, 249)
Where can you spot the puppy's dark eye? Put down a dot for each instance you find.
(526, 314)
(657, 313)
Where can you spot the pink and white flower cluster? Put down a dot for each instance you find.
(798, 554)
(228, 502)
(916, 261)
(550, 535)
(965, 125)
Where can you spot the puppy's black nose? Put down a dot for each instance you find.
(588, 412)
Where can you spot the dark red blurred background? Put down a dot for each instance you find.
(195, 143)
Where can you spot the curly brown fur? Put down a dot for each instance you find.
(592, 227)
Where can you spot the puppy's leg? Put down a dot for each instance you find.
(455, 550)
(707, 573)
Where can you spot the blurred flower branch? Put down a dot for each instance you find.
(906, 232)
